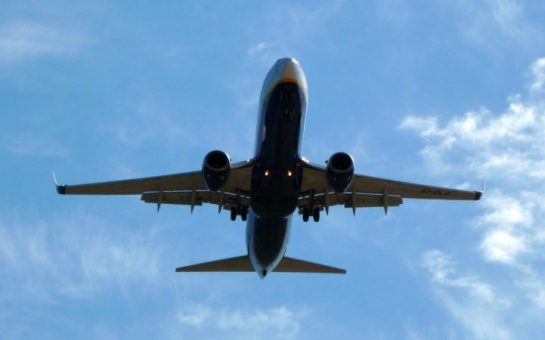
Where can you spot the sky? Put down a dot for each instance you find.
(446, 93)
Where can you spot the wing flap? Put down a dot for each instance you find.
(352, 200)
(365, 200)
(195, 198)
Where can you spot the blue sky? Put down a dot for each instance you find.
(446, 93)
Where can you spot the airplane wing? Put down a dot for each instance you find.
(410, 190)
(367, 191)
(239, 181)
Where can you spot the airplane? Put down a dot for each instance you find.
(269, 188)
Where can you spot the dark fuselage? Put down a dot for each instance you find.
(276, 176)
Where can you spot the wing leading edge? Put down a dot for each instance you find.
(239, 181)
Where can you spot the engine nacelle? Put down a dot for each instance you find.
(340, 171)
(216, 169)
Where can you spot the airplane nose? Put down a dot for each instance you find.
(287, 60)
(285, 70)
(288, 70)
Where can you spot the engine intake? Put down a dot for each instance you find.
(340, 171)
(216, 169)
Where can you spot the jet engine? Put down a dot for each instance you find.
(339, 171)
(216, 169)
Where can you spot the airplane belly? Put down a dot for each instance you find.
(276, 176)
(282, 123)
(267, 239)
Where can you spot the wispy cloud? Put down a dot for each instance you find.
(474, 303)
(24, 40)
(33, 145)
(266, 52)
(496, 24)
(291, 28)
(443, 271)
(259, 48)
(45, 260)
(510, 17)
(235, 323)
(169, 128)
(159, 118)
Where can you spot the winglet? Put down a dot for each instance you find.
(54, 178)
(61, 189)
(385, 201)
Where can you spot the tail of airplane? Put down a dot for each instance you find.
(242, 264)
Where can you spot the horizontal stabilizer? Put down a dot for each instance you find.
(291, 265)
(233, 264)
(242, 264)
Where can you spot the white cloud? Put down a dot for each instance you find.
(506, 211)
(508, 149)
(258, 49)
(195, 316)
(491, 144)
(502, 246)
(538, 70)
(23, 40)
(510, 227)
(275, 323)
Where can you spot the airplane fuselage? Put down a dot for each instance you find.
(277, 175)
